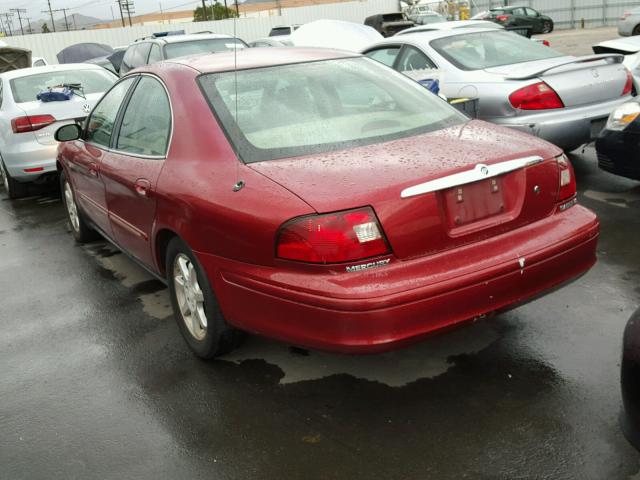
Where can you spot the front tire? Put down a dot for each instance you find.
(13, 188)
(547, 26)
(195, 306)
(80, 229)
(636, 30)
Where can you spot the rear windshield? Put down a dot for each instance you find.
(207, 45)
(26, 88)
(301, 109)
(275, 32)
(475, 51)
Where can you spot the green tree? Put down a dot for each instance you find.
(45, 28)
(217, 11)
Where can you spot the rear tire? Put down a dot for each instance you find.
(80, 229)
(13, 188)
(547, 26)
(195, 306)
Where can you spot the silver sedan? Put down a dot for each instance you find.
(519, 83)
(629, 23)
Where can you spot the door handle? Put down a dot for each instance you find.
(93, 169)
(142, 187)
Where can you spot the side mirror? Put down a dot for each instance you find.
(66, 133)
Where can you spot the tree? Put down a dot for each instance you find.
(217, 11)
(45, 28)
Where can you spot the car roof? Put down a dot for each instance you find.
(455, 24)
(243, 59)
(424, 37)
(187, 38)
(23, 72)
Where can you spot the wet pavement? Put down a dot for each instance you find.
(96, 382)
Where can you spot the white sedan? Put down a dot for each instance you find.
(27, 125)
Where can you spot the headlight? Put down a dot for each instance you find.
(623, 116)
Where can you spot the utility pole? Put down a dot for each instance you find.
(128, 6)
(7, 16)
(204, 11)
(28, 20)
(237, 10)
(64, 11)
(53, 23)
(121, 15)
(19, 11)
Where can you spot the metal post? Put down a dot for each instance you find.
(19, 11)
(121, 15)
(53, 23)
(572, 6)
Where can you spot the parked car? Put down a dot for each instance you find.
(349, 36)
(630, 48)
(618, 145)
(426, 18)
(630, 380)
(414, 11)
(283, 30)
(388, 24)
(519, 83)
(154, 49)
(81, 52)
(516, 16)
(27, 125)
(629, 23)
(320, 198)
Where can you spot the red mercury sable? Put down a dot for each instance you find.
(319, 198)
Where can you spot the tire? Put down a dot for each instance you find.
(547, 26)
(198, 303)
(80, 229)
(636, 30)
(13, 188)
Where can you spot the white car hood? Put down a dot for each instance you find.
(335, 34)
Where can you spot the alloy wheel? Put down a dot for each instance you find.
(72, 209)
(189, 296)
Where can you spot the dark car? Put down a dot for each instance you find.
(521, 17)
(388, 24)
(630, 380)
(618, 144)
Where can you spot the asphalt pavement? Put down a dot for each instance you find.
(96, 382)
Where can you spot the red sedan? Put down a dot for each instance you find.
(319, 198)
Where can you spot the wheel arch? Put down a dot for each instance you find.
(161, 242)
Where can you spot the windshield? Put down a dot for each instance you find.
(206, 45)
(277, 31)
(300, 109)
(475, 51)
(26, 88)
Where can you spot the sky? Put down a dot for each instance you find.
(95, 8)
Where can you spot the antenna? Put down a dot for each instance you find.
(235, 81)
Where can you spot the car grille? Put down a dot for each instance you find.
(605, 162)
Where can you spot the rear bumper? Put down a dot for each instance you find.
(567, 127)
(29, 155)
(378, 309)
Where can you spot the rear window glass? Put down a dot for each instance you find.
(475, 51)
(26, 88)
(294, 110)
(208, 45)
(280, 31)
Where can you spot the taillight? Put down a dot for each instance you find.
(332, 238)
(31, 123)
(628, 86)
(546, 43)
(538, 96)
(566, 178)
(502, 18)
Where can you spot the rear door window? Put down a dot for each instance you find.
(146, 123)
(386, 55)
(412, 59)
(99, 125)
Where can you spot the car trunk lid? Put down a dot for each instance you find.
(577, 81)
(66, 111)
(450, 216)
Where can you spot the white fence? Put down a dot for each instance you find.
(48, 44)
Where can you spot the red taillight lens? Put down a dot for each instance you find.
(628, 86)
(546, 43)
(502, 18)
(332, 238)
(31, 123)
(538, 96)
(566, 178)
